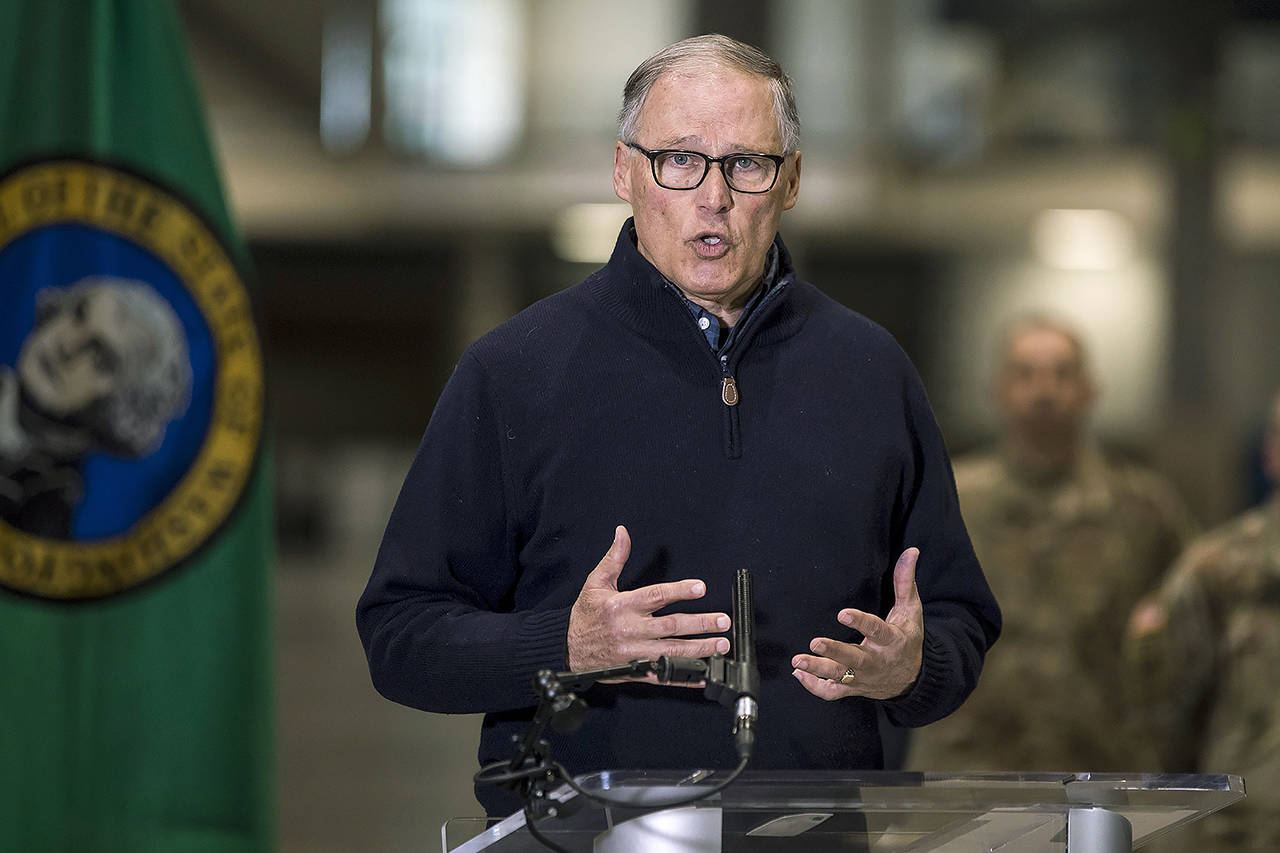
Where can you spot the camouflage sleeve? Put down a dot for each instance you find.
(1170, 654)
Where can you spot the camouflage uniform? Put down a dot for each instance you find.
(1067, 561)
(1207, 676)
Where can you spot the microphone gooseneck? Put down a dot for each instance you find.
(735, 683)
(747, 673)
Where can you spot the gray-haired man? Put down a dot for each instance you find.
(690, 409)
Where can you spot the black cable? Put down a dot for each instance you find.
(489, 774)
(500, 773)
(537, 834)
(532, 770)
(632, 804)
(553, 768)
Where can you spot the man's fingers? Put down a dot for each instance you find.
(606, 572)
(869, 625)
(887, 660)
(697, 648)
(824, 667)
(684, 624)
(821, 687)
(904, 577)
(647, 599)
(703, 648)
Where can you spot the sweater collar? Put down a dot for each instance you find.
(632, 290)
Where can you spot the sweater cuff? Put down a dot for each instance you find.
(542, 641)
(929, 699)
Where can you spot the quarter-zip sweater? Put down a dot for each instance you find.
(809, 455)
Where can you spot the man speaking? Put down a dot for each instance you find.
(598, 468)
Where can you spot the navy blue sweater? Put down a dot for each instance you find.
(602, 405)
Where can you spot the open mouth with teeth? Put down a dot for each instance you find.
(710, 246)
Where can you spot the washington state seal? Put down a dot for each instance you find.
(131, 381)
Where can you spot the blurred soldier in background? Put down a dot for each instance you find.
(1205, 651)
(1069, 542)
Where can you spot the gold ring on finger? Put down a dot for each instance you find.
(848, 676)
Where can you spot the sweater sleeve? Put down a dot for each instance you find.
(961, 617)
(437, 618)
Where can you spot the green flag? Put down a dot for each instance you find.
(135, 505)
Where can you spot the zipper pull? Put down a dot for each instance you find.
(729, 391)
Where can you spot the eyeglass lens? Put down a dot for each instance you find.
(679, 170)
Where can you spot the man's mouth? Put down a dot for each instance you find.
(710, 245)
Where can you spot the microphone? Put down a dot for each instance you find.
(678, 670)
(746, 709)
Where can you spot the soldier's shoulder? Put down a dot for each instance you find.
(1222, 554)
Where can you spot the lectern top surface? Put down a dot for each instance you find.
(881, 811)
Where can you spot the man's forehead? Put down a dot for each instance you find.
(713, 106)
(1042, 343)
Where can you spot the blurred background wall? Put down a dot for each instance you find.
(409, 173)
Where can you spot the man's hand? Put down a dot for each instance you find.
(887, 661)
(609, 628)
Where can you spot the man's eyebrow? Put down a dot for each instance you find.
(682, 141)
(693, 143)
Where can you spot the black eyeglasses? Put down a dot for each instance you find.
(675, 169)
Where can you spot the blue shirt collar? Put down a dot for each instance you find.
(718, 336)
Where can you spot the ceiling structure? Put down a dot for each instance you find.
(260, 66)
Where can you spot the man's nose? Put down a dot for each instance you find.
(1047, 390)
(714, 193)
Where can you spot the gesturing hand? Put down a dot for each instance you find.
(609, 628)
(887, 661)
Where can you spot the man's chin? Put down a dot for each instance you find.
(717, 287)
(1060, 429)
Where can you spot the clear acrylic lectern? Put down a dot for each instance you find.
(871, 811)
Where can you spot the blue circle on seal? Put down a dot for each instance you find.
(117, 491)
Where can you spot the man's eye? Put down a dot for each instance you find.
(682, 161)
(745, 165)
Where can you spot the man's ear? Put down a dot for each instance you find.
(622, 171)
(792, 187)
